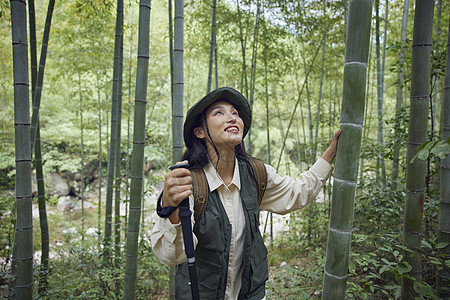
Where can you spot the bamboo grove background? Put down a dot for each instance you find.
(111, 62)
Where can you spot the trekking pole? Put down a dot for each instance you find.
(186, 227)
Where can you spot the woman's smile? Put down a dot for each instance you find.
(232, 129)
(224, 125)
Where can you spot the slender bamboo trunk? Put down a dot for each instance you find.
(118, 175)
(435, 77)
(99, 212)
(137, 170)
(82, 158)
(112, 155)
(212, 46)
(346, 173)
(381, 170)
(177, 103)
(172, 270)
(322, 72)
(40, 75)
(23, 287)
(417, 133)
(268, 158)
(33, 47)
(106, 101)
(253, 69)
(129, 104)
(398, 104)
(443, 278)
(38, 160)
(45, 243)
(295, 107)
(436, 119)
(216, 68)
(381, 130)
(242, 40)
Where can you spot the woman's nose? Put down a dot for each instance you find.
(232, 118)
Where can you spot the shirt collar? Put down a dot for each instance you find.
(214, 180)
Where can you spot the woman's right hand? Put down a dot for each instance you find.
(177, 186)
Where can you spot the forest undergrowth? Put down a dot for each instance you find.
(296, 255)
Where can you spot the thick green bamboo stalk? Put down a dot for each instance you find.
(40, 75)
(24, 220)
(417, 134)
(443, 278)
(346, 172)
(212, 46)
(138, 150)
(113, 142)
(398, 105)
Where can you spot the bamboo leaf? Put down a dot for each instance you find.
(352, 267)
(441, 150)
(403, 267)
(426, 244)
(442, 245)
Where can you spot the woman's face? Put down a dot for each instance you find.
(225, 126)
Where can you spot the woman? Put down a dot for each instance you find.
(231, 258)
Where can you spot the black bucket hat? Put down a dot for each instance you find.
(221, 94)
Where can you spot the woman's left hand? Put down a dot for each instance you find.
(330, 153)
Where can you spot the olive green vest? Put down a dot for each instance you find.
(212, 252)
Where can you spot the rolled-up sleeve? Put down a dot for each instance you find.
(285, 194)
(167, 240)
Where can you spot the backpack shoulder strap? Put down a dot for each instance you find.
(260, 172)
(200, 192)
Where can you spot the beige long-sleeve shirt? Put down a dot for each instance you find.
(283, 194)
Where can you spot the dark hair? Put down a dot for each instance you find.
(197, 154)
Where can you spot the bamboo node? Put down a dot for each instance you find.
(336, 276)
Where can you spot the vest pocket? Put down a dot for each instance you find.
(209, 280)
(258, 263)
(208, 277)
(210, 222)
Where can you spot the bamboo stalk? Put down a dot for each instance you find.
(137, 170)
(40, 75)
(113, 142)
(417, 133)
(23, 288)
(346, 171)
(443, 278)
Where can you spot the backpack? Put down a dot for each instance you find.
(200, 185)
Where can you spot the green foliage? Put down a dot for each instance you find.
(435, 147)
(79, 273)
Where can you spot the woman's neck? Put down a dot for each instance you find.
(224, 164)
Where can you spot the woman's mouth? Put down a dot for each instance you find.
(232, 129)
